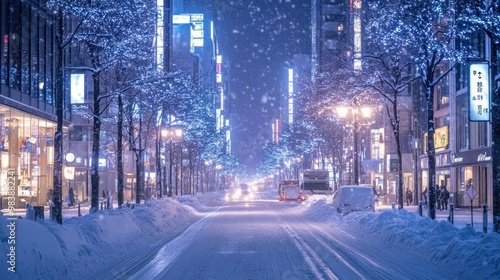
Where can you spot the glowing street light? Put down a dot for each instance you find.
(357, 112)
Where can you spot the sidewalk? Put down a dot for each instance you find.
(67, 212)
(462, 216)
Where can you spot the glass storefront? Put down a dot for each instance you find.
(26, 157)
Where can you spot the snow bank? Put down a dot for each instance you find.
(408, 232)
(95, 241)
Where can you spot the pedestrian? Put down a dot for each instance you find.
(50, 195)
(438, 194)
(409, 197)
(445, 195)
(469, 183)
(424, 196)
(68, 200)
(71, 195)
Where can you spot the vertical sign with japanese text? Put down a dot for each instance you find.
(479, 92)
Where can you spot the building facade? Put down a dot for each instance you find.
(470, 158)
(27, 101)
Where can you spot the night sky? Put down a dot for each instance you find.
(259, 38)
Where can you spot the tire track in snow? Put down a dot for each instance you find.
(360, 258)
(354, 250)
(317, 266)
(312, 259)
(151, 262)
(172, 250)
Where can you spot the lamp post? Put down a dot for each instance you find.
(171, 134)
(356, 111)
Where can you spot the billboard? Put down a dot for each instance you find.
(479, 92)
(77, 88)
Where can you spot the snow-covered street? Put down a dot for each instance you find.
(203, 237)
(266, 239)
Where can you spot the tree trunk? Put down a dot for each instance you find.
(158, 164)
(356, 156)
(58, 139)
(496, 134)
(96, 135)
(170, 166)
(139, 180)
(431, 157)
(397, 137)
(119, 153)
(176, 173)
(191, 171)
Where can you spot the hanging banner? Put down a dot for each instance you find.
(69, 173)
(479, 92)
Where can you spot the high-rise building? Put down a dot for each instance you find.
(332, 26)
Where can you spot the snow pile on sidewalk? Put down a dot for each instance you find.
(95, 241)
(439, 241)
(202, 202)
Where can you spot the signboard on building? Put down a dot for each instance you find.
(181, 19)
(479, 92)
(196, 30)
(476, 156)
(377, 143)
(69, 173)
(77, 88)
(441, 138)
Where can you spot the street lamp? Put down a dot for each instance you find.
(171, 134)
(356, 111)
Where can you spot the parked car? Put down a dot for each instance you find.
(376, 196)
(354, 198)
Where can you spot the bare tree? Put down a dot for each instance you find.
(390, 72)
(109, 33)
(426, 30)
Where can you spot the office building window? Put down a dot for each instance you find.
(462, 119)
(14, 42)
(443, 96)
(4, 42)
(334, 2)
(334, 18)
(27, 50)
(478, 134)
(49, 65)
(77, 133)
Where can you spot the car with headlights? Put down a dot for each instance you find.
(352, 198)
(243, 193)
(246, 192)
(231, 194)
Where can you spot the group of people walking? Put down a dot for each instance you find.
(442, 197)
